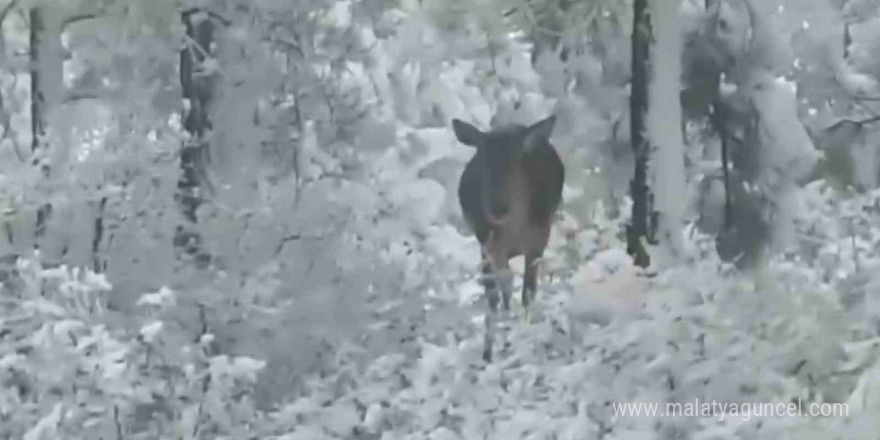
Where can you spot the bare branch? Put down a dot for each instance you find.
(7, 9)
(223, 20)
(81, 96)
(866, 98)
(858, 123)
(78, 18)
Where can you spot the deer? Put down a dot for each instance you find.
(509, 193)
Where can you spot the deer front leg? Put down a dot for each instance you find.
(490, 285)
(505, 279)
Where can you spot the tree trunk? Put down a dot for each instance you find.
(664, 122)
(98, 264)
(197, 89)
(641, 225)
(45, 68)
(38, 99)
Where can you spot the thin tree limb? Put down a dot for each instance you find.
(859, 123)
(80, 17)
(7, 9)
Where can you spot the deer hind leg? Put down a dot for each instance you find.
(490, 284)
(530, 279)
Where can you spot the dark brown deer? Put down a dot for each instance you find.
(509, 193)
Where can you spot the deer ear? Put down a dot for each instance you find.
(467, 133)
(538, 134)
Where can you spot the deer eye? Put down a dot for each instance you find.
(723, 25)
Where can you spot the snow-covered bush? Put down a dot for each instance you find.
(698, 331)
(73, 369)
(338, 254)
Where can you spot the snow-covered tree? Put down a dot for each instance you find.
(341, 296)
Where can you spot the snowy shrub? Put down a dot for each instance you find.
(73, 369)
